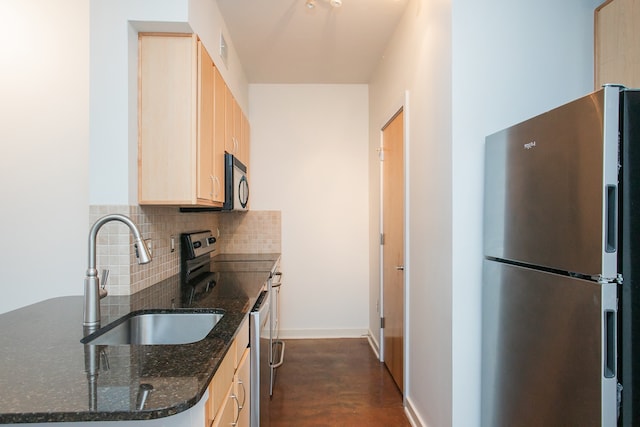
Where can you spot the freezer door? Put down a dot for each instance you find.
(548, 349)
(629, 291)
(551, 188)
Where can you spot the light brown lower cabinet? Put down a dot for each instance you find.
(242, 386)
(229, 391)
(225, 416)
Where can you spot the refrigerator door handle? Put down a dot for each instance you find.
(609, 390)
(609, 344)
(610, 221)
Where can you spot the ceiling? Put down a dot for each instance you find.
(283, 41)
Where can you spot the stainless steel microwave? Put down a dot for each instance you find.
(236, 192)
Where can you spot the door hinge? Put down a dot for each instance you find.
(382, 323)
(380, 153)
(382, 238)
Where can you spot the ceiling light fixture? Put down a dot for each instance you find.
(310, 4)
(335, 3)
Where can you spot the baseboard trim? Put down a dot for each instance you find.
(322, 333)
(412, 415)
(375, 346)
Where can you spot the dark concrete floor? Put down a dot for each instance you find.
(334, 382)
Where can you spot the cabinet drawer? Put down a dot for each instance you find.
(242, 341)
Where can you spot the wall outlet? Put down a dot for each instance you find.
(149, 246)
(172, 244)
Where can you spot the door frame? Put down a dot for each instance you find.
(402, 103)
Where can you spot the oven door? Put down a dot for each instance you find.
(260, 355)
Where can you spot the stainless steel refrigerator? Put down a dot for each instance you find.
(561, 303)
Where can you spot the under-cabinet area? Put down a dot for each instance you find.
(188, 118)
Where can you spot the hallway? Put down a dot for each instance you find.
(334, 382)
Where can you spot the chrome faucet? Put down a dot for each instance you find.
(92, 292)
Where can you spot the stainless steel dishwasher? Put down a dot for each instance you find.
(260, 343)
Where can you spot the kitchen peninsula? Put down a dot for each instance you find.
(45, 369)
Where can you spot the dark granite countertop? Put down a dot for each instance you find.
(44, 369)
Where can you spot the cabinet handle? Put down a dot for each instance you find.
(213, 186)
(244, 394)
(234, 397)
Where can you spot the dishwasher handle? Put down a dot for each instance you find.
(280, 360)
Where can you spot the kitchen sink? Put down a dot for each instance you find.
(156, 328)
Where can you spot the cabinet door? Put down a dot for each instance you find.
(245, 140)
(219, 136)
(226, 415)
(237, 130)
(243, 389)
(220, 388)
(206, 86)
(230, 144)
(167, 122)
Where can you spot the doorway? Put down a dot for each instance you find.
(392, 246)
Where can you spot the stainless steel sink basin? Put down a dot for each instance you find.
(162, 328)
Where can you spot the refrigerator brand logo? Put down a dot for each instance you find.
(530, 145)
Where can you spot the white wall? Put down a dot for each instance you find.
(471, 68)
(44, 110)
(309, 160)
(418, 59)
(63, 148)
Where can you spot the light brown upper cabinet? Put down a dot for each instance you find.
(617, 43)
(236, 139)
(231, 144)
(180, 158)
(245, 140)
(219, 132)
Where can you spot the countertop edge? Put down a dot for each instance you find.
(238, 317)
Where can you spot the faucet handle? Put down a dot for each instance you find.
(103, 283)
